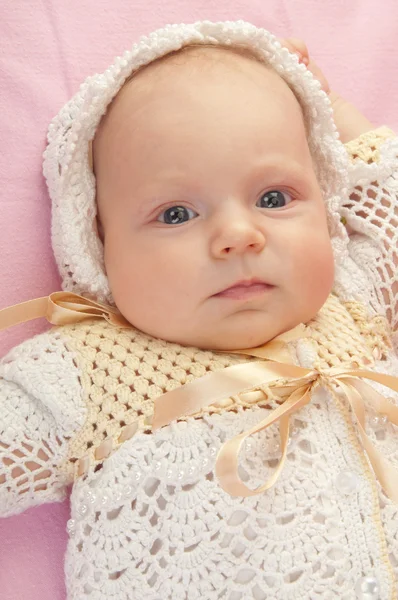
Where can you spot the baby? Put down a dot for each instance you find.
(223, 222)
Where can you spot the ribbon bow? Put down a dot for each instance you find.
(61, 308)
(297, 385)
(191, 398)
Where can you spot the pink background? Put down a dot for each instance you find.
(47, 49)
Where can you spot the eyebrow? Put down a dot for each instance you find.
(291, 169)
(280, 167)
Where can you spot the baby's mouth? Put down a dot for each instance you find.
(244, 290)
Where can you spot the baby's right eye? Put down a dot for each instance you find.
(175, 215)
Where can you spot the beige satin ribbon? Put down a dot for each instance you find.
(61, 308)
(191, 398)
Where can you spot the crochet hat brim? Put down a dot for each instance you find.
(72, 187)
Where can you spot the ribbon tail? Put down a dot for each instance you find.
(388, 380)
(228, 457)
(23, 312)
(377, 401)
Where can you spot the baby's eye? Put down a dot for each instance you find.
(176, 215)
(274, 199)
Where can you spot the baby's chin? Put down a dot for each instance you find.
(232, 338)
(237, 342)
(239, 330)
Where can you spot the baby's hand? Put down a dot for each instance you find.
(349, 120)
(297, 46)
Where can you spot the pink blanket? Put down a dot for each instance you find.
(47, 48)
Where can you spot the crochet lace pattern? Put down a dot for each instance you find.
(123, 371)
(153, 517)
(372, 213)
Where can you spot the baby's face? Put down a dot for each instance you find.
(204, 180)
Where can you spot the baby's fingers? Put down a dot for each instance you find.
(297, 46)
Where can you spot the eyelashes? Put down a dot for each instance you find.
(178, 214)
(175, 215)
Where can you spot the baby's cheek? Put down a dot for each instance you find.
(312, 270)
(146, 288)
(320, 269)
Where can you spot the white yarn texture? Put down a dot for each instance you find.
(71, 183)
(40, 409)
(156, 524)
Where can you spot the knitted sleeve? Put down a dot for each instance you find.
(40, 410)
(371, 213)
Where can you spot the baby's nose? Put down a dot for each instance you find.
(237, 237)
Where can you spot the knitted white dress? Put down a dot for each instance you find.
(151, 520)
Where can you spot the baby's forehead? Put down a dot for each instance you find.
(183, 66)
(200, 59)
(195, 72)
(201, 66)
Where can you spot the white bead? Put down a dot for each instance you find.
(377, 421)
(212, 450)
(180, 474)
(367, 588)
(170, 473)
(136, 476)
(204, 461)
(191, 469)
(347, 482)
(374, 421)
(104, 500)
(91, 497)
(157, 466)
(128, 490)
(70, 526)
(82, 510)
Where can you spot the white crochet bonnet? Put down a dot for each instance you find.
(71, 182)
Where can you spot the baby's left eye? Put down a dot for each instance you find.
(274, 199)
(176, 215)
